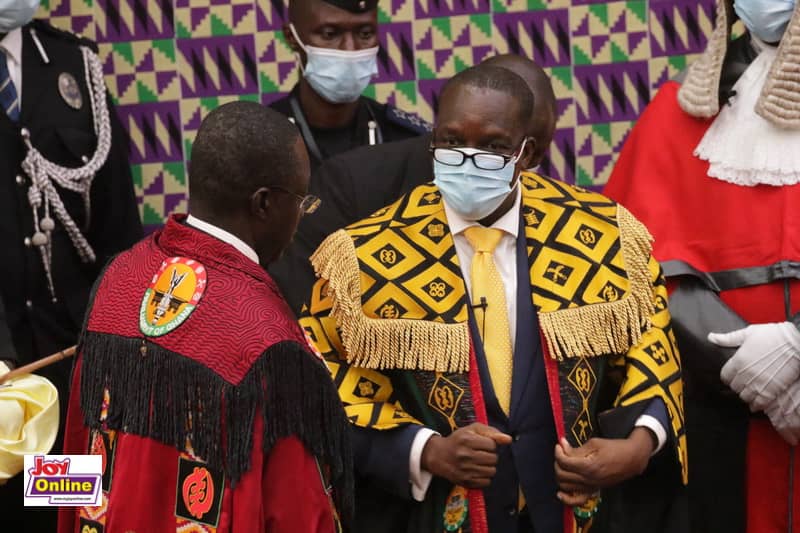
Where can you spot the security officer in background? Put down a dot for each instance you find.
(67, 202)
(336, 42)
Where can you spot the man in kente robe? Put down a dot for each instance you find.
(712, 168)
(350, 189)
(194, 382)
(501, 343)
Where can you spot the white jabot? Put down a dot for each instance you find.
(11, 44)
(743, 148)
(224, 236)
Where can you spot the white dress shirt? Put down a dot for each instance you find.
(11, 44)
(224, 236)
(505, 259)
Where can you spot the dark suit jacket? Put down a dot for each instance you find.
(382, 456)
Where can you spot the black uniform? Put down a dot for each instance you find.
(7, 351)
(390, 124)
(352, 186)
(63, 135)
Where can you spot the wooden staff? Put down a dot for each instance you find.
(36, 365)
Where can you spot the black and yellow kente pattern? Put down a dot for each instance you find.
(391, 299)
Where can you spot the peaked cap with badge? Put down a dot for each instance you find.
(354, 6)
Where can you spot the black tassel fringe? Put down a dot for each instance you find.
(171, 398)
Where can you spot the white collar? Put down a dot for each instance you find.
(224, 236)
(12, 44)
(508, 223)
(742, 147)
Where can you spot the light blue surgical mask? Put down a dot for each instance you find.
(16, 13)
(475, 193)
(338, 76)
(766, 19)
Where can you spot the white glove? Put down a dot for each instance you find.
(766, 363)
(784, 413)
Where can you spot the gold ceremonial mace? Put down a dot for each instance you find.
(36, 365)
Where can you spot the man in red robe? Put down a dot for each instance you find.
(713, 169)
(194, 381)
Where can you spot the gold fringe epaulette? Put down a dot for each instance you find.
(611, 327)
(391, 343)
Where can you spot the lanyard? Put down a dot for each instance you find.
(375, 133)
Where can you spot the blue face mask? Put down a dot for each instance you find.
(472, 192)
(766, 19)
(338, 76)
(16, 13)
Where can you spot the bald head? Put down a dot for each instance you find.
(490, 77)
(543, 120)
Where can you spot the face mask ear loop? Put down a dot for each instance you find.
(302, 47)
(515, 161)
(521, 149)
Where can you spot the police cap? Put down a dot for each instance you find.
(354, 6)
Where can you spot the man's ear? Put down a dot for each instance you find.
(260, 203)
(288, 34)
(538, 157)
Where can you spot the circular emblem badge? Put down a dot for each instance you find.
(455, 510)
(69, 90)
(173, 294)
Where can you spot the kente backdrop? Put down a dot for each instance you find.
(169, 62)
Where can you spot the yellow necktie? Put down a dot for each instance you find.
(491, 311)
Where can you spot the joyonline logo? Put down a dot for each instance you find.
(62, 480)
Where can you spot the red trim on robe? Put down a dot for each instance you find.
(477, 505)
(551, 371)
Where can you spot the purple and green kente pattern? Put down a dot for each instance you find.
(169, 62)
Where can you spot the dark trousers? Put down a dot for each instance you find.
(525, 525)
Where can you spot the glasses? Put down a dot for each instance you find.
(455, 157)
(484, 160)
(308, 203)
